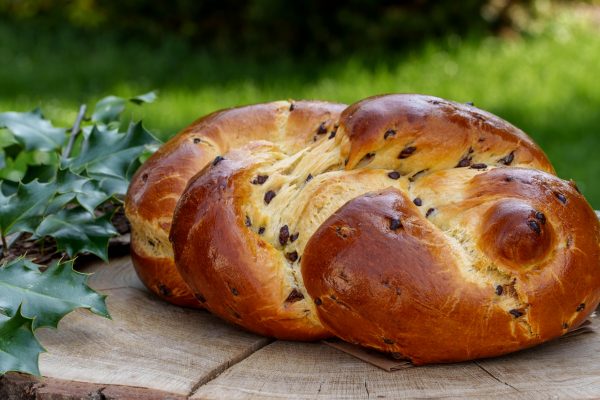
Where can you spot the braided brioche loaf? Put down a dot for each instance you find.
(407, 223)
(158, 184)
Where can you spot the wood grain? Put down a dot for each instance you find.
(307, 371)
(567, 368)
(148, 343)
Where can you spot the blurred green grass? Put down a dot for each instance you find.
(546, 83)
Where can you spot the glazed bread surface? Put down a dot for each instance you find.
(404, 223)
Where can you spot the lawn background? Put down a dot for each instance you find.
(546, 82)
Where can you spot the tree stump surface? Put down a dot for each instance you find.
(152, 350)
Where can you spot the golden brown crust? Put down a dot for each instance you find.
(429, 133)
(404, 223)
(237, 274)
(403, 290)
(158, 184)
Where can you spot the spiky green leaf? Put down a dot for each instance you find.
(32, 131)
(24, 210)
(108, 109)
(19, 349)
(76, 231)
(46, 296)
(144, 98)
(84, 190)
(110, 154)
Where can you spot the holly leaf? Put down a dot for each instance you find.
(46, 297)
(144, 98)
(23, 210)
(32, 131)
(83, 189)
(110, 153)
(19, 349)
(76, 231)
(108, 109)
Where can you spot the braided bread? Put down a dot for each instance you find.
(404, 223)
(158, 184)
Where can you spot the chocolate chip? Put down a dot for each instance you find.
(388, 133)
(499, 290)
(565, 325)
(309, 178)
(479, 166)
(580, 307)
(332, 134)
(261, 230)
(269, 196)
(388, 341)
(199, 297)
(292, 106)
(321, 130)
(534, 226)
(561, 197)
(284, 235)
(292, 257)
(394, 175)
(260, 179)
(151, 242)
(508, 179)
(407, 152)
(234, 291)
(470, 103)
(516, 313)
(294, 296)
(395, 224)
(197, 140)
(318, 301)
(144, 178)
(165, 291)
(418, 202)
(294, 236)
(217, 160)
(540, 217)
(429, 212)
(464, 162)
(508, 159)
(248, 223)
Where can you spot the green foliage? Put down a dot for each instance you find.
(63, 184)
(98, 171)
(46, 297)
(19, 349)
(32, 131)
(78, 231)
(24, 210)
(30, 299)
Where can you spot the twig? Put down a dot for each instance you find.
(74, 131)
(4, 244)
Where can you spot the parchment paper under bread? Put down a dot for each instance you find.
(389, 363)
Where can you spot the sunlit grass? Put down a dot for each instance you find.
(547, 84)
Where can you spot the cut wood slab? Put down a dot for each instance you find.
(567, 368)
(148, 343)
